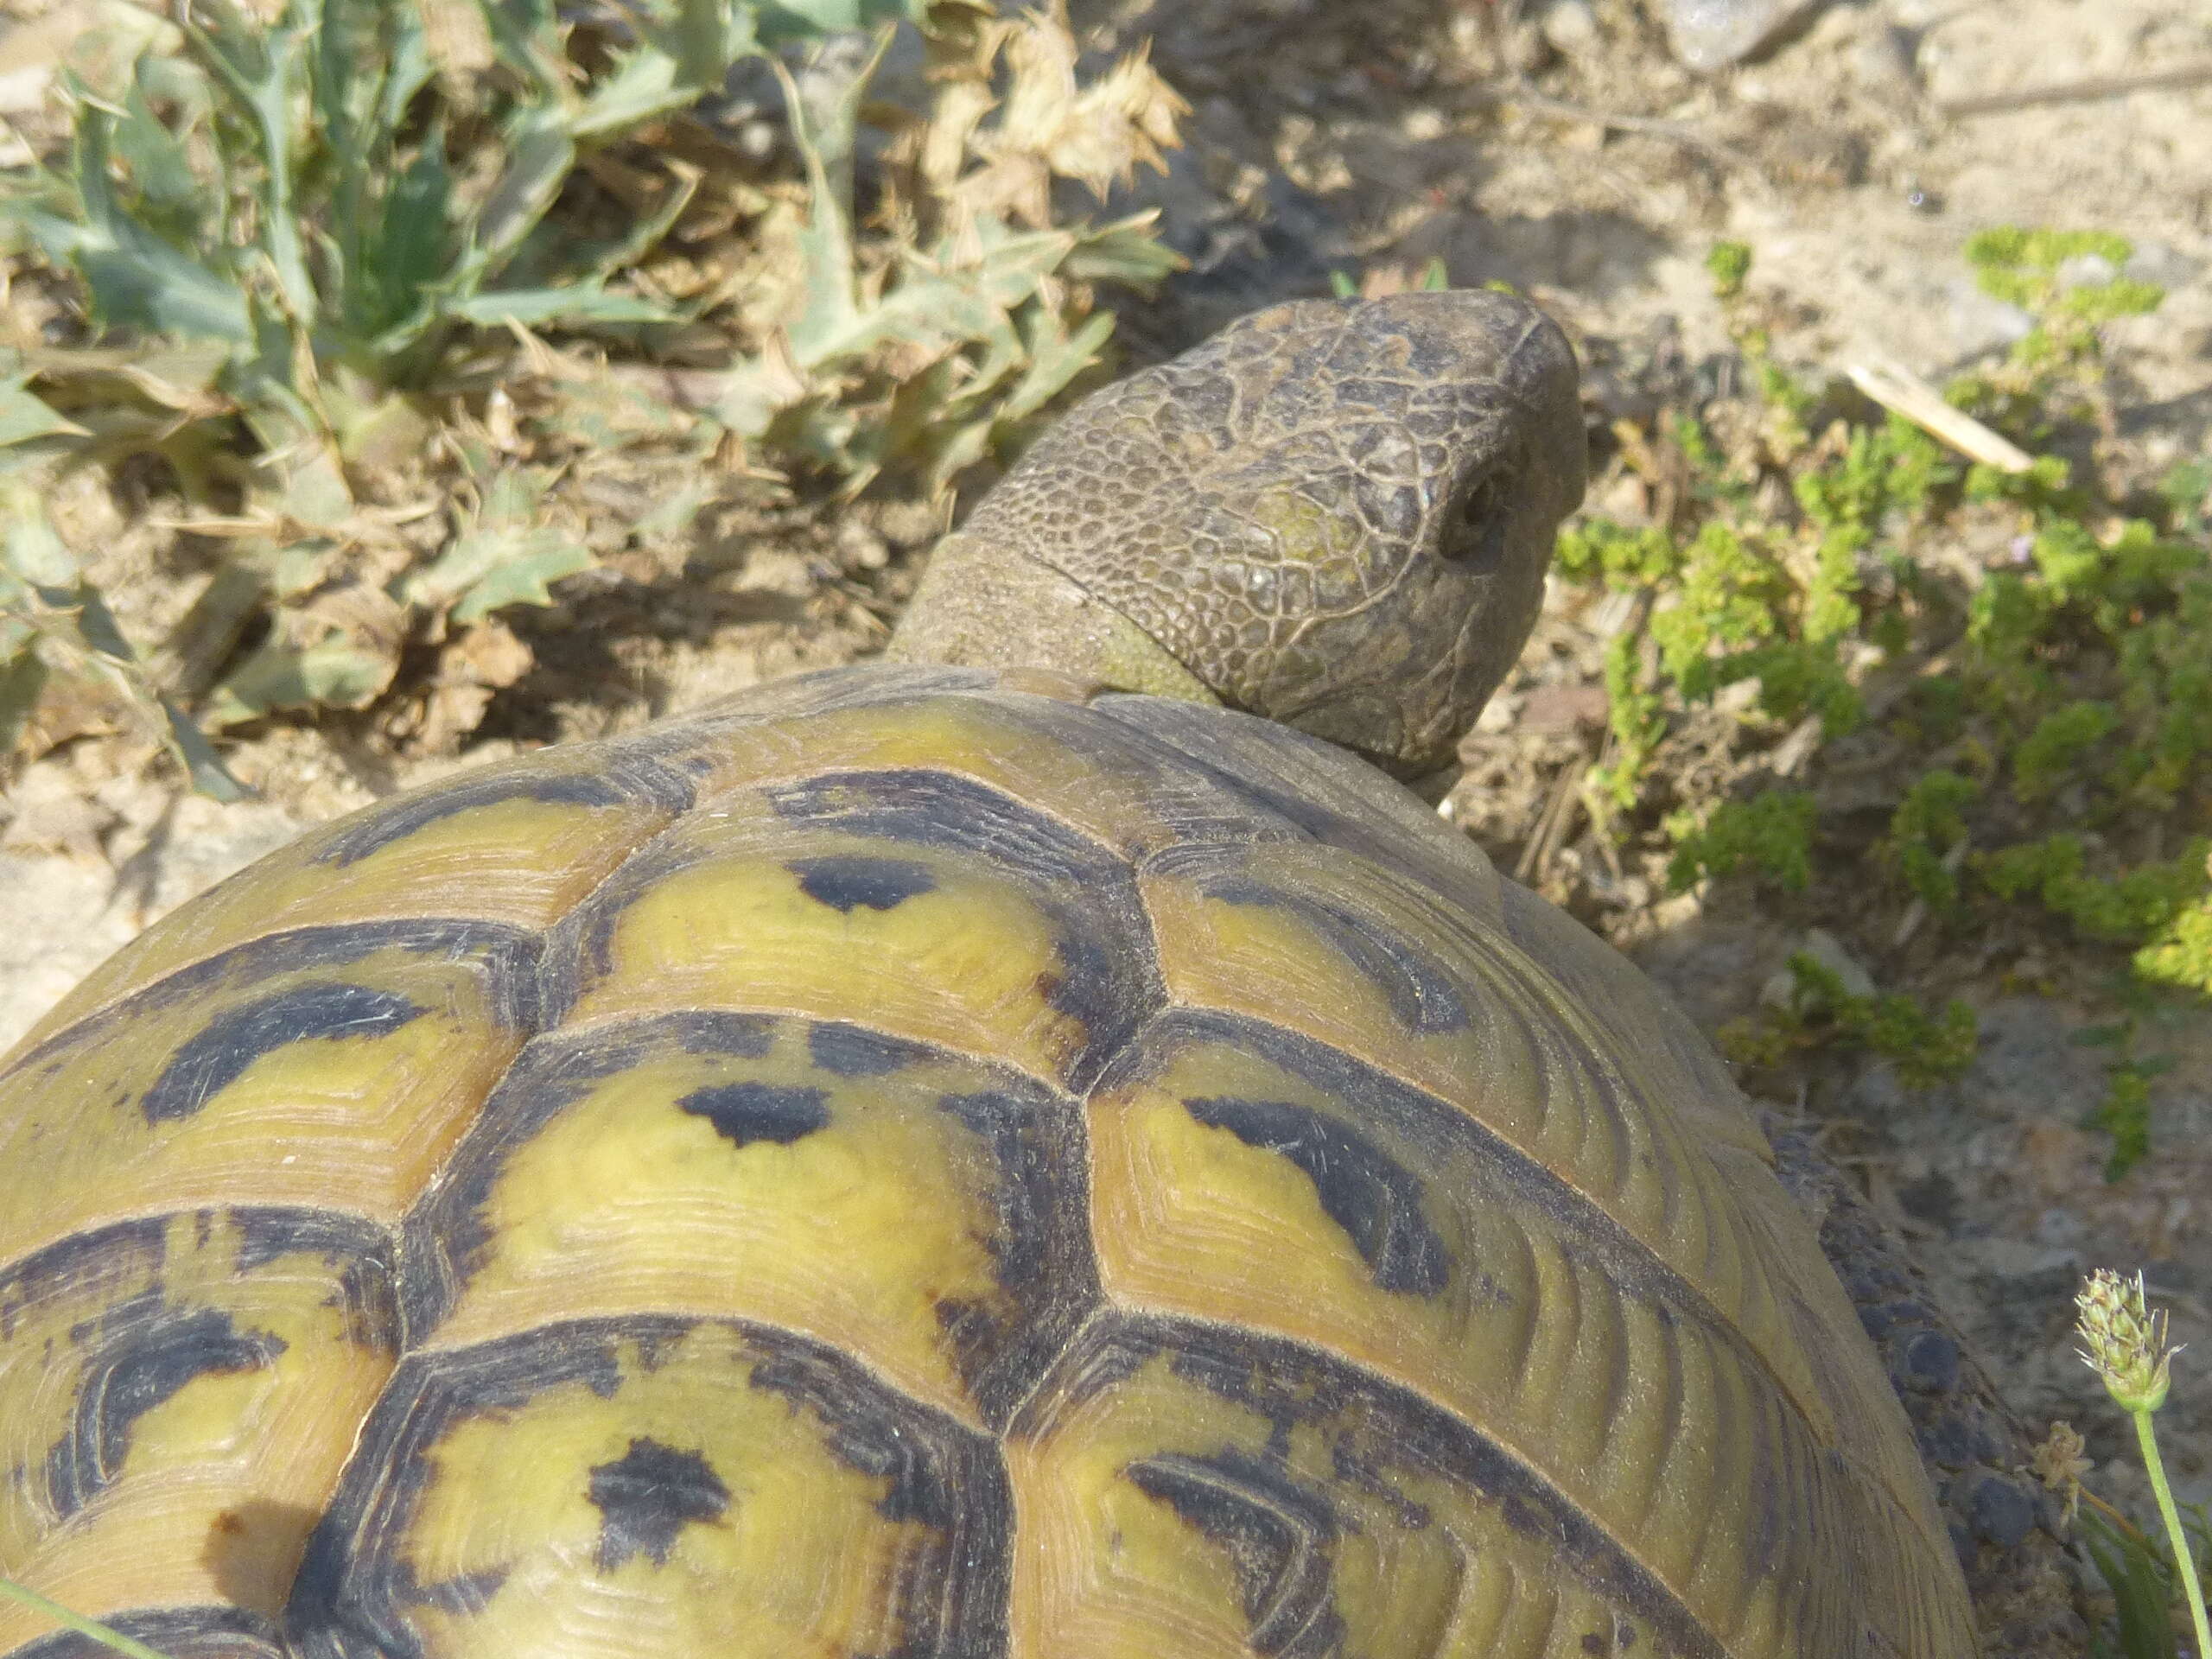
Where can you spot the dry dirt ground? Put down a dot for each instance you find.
(1327, 136)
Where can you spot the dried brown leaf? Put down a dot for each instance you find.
(1048, 124)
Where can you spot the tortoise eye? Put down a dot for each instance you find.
(1475, 535)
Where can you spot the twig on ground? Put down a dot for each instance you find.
(2077, 91)
(1899, 389)
(1520, 94)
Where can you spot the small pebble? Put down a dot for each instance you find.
(1711, 34)
(2086, 270)
(1931, 1361)
(2001, 1513)
(1571, 27)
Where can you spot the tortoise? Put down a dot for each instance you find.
(1038, 1146)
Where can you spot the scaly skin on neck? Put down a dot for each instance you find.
(982, 605)
(1334, 513)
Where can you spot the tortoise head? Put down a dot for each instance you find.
(1334, 513)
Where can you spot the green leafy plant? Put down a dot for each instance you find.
(329, 245)
(1922, 1048)
(1771, 833)
(1927, 832)
(2028, 267)
(2047, 712)
(1728, 264)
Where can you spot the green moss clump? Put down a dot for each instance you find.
(1926, 1047)
(2046, 756)
(2129, 908)
(1598, 550)
(2051, 702)
(2025, 268)
(1771, 833)
(1927, 825)
(1636, 721)
(1728, 264)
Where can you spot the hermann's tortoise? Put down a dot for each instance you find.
(992, 1154)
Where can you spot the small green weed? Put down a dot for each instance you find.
(1728, 264)
(2047, 709)
(1771, 833)
(1926, 1048)
(2030, 268)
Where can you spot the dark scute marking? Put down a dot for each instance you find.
(1040, 1251)
(465, 1593)
(355, 1594)
(1284, 775)
(348, 1594)
(647, 1495)
(1379, 1437)
(630, 780)
(265, 1234)
(1420, 996)
(864, 1436)
(1431, 1133)
(365, 1255)
(507, 958)
(940, 809)
(1278, 1534)
(1024, 1146)
(155, 1353)
(854, 1052)
(175, 1632)
(218, 1056)
(743, 1113)
(1362, 1188)
(111, 1259)
(749, 1036)
(847, 883)
(447, 1236)
(1110, 979)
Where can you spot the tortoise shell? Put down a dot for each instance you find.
(922, 1162)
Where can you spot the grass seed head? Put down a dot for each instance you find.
(2124, 1341)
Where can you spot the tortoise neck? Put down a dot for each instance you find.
(979, 606)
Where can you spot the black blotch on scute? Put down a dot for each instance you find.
(1106, 979)
(176, 1632)
(620, 782)
(1420, 995)
(854, 1052)
(847, 884)
(465, 1594)
(1375, 1438)
(863, 1436)
(153, 1353)
(219, 1055)
(743, 1113)
(1376, 1199)
(358, 1595)
(1278, 1534)
(647, 1495)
